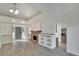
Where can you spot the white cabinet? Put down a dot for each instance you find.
(47, 40)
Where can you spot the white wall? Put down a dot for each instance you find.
(55, 13)
(6, 28)
(35, 26)
(59, 26)
(73, 39)
(67, 14)
(46, 25)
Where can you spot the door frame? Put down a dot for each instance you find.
(58, 38)
(18, 25)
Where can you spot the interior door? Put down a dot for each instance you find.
(18, 32)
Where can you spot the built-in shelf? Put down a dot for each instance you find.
(47, 40)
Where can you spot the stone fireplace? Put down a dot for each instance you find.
(35, 36)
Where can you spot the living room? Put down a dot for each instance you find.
(28, 27)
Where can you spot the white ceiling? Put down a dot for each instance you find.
(53, 13)
(30, 10)
(26, 11)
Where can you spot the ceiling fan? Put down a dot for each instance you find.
(14, 10)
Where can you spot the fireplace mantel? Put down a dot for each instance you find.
(35, 31)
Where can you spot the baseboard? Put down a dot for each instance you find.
(7, 42)
(75, 54)
(19, 40)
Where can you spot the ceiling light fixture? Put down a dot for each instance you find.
(14, 10)
(11, 10)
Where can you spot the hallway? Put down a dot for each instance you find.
(30, 49)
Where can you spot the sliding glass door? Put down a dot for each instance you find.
(18, 33)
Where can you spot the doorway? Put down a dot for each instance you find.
(62, 40)
(61, 36)
(19, 32)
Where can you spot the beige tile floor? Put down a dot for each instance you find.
(30, 49)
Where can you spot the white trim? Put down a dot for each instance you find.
(0, 45)
(71, 52)
(15, 25)
(19, 40)
(5, 43)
